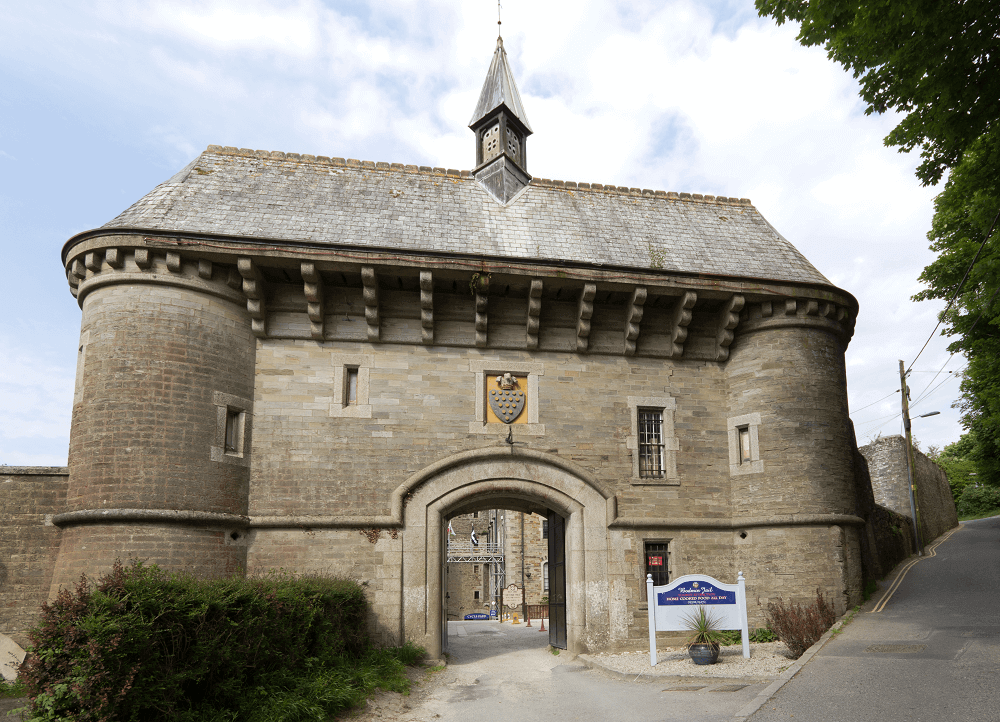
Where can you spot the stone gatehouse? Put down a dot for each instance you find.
(315, 363)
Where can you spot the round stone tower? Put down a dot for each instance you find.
(160, 439)
(791, 450)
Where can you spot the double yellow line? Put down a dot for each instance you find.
(931, 551)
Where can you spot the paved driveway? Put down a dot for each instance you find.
(932, 653)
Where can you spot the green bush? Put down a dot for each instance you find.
(760, 635)
(979, 501)
(146, 645)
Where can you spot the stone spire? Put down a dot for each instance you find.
(501, 128)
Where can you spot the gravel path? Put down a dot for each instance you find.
(766, 661)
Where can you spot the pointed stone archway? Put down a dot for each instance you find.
(520, 480)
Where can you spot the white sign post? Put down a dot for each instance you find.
(671, 605)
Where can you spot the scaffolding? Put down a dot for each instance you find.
(488, 552)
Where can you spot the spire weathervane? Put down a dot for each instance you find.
(501, 128)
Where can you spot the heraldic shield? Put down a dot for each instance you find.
(507, 402)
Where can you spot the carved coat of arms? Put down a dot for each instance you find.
(507, 401)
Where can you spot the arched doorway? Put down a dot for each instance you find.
(517, 479)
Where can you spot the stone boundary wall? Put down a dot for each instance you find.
(886, 459)
(29, 542)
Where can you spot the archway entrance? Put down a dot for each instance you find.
(504, 564)
(577, 507)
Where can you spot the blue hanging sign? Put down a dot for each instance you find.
(477, 615)
(699, 591)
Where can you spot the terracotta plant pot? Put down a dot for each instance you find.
(704, 653)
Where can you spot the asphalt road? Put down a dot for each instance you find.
(932, 653)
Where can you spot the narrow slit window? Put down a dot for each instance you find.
(744, 439)
(545, 577)
(351, 380)
(650, 443)
(475, 594)
(233, 431)
(545, 528)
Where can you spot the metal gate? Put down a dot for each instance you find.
(557, 580)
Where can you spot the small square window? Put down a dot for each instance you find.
(744, 444)
(475, 594)
(651, 444)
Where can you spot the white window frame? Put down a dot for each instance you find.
(750, 422)
(483, 369)
(666, 405)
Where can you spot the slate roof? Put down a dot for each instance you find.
(278, 196)
(499, 89)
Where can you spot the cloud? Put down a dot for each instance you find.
(677, 95)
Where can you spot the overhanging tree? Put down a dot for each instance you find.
(938, 63)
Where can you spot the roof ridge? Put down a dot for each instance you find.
(538, 182)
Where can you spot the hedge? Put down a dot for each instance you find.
(146, 645)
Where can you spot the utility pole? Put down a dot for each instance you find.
(905, 393)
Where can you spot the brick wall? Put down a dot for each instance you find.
(29, 543)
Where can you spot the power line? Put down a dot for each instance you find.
(957, 290)
(921, 394)
(876, 402)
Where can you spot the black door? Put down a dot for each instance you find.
(557, 580)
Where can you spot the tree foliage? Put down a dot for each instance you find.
(964, 213)
(936, 62)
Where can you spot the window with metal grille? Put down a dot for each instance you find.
(545, 577)
(545, 528)
(650, 443)
(657, 563)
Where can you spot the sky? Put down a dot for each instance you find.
(105, 100)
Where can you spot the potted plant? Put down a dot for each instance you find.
(703, 642)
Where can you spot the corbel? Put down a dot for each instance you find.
(173, 261)
(811, 308)
(680, 317)
(728, 319)
(204, 269)
(234, 280)
(534, 310)
(766, 309)
(370, 296)
(313, 287)
(633, 317)
(482, 291)
(426, 307)
(93, 260)
(143, 258)
(790, 306)
(74, 282)
(253, 289)
(584, 311)
(827, 309)
(114, 257)
(77, 269)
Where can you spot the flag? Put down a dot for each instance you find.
(475, 541)
(451, 532)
